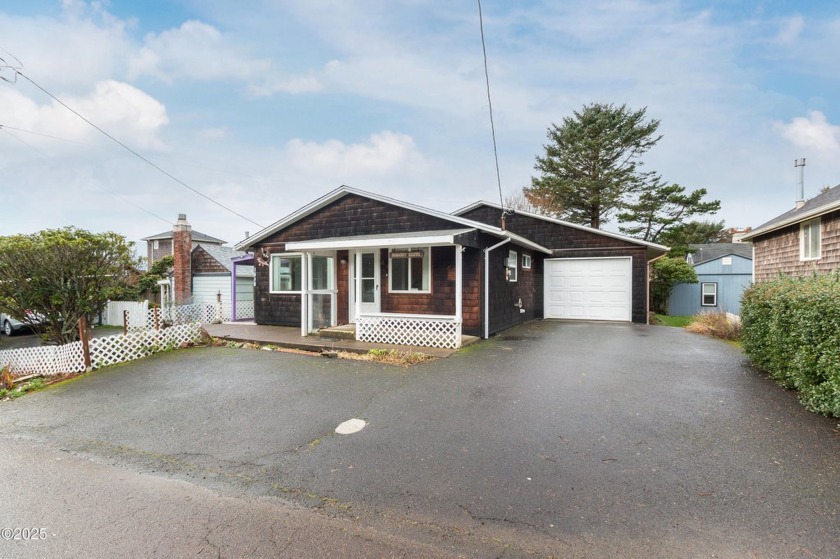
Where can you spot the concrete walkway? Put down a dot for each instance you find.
(288, 336)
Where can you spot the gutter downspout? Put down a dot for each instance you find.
(647, 295)
(487, 285)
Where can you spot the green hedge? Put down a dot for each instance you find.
(791, 330)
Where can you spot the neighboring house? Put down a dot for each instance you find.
(212, 266)
(802, 241)
(724, 271)
(160, 245)
(203, 269)
(412, 275)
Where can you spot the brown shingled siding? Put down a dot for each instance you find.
(570, 242)
(204, 263)
(777, 253)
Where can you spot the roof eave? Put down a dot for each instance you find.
(656, 247)
(793, 220)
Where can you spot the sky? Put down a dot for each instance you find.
(266, 105)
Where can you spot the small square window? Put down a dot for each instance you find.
(526, 261)
(512, 265)
(726, 261)
(708, 295)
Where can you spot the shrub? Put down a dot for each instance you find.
(791, 330)
(717, 324)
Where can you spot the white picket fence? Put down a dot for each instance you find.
(113, 313)
(69, 358)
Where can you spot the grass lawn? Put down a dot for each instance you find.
(678, 321)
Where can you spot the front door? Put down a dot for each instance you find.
(364, 283)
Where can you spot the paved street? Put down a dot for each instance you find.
(553, 439)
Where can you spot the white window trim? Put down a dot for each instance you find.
(427, 271)
(703, 302)
(807, 225)
(271, 272)
(526, 261)
(513, 258)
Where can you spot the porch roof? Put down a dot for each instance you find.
(415, 239)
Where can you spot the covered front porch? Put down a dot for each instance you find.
(400, 289)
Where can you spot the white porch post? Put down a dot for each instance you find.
(459, 283)
(304, 293)
(358, 284)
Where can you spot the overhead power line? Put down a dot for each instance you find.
(490, 105)
(17, 72)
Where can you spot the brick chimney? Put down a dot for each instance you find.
(182, 253)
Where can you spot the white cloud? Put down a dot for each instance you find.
(384, 153)
(199, 51)
(790, 30)
(120, 109)
(813, 132)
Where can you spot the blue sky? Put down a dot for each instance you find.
(266, 107)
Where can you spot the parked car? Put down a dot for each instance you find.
(11, 326)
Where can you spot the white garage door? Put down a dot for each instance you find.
(589, 288)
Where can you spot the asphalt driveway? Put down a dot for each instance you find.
(564, 439)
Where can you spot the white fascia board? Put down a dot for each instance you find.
(350, 242)
(793, 220)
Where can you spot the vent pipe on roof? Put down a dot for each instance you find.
(800, 182)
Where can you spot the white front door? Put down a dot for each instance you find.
(364, 283)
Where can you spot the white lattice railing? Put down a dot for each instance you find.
(244, 309)
(69, 358)
(203, 313)
(414, 329)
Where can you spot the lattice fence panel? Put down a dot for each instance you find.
(427, 332)
(69, 358)
(244, 309)
(44, 360)
(135, 345)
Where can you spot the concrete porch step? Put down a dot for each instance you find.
(342, 332)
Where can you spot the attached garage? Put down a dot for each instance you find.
(589, 288)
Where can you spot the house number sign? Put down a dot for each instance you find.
(406, 254)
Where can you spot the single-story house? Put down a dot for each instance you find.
(724, 271)
(802, 241)
(416, 276)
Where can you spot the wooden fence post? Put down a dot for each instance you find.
(83, 335)
(125, 322)
(157, 319)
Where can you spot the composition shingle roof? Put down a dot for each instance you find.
(223, 256)
(197, 237)
(822, 203)
(711, 251)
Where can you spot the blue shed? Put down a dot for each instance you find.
(724, 271)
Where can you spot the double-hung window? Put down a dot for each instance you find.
(286, 273)
(809, 240)
(409, 270)
(512, 265)
(708, 294)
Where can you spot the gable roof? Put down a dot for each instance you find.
(344, 190)
(706, 252)
(823, 203)
(197, 237)
(619, 236)
(223, 256)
